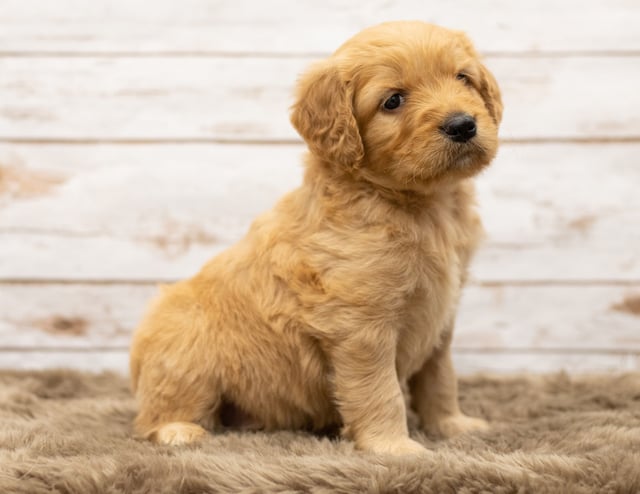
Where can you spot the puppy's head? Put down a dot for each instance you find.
(406, 104)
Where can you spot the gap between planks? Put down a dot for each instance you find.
(471, 282)
(459, 349)
(285, 55)
(465, 363)
(83, 141)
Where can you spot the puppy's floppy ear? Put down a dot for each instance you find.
(323, 116)
(487, 85)
(490, 93)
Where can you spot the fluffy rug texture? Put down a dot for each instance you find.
(69, 432)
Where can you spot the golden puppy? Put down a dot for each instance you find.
(337, 308)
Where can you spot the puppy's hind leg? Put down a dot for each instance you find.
(177, 411)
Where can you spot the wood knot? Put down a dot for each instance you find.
(630, 305)
(60, 325)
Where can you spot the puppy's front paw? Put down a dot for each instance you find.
(401, 447)
(178, 433)
(455, 425)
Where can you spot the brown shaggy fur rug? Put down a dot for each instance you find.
(69, 432)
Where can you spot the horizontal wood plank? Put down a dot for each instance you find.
(247, 99)
(114, 173)
(94, 361)
(468, 363)
(465, 363)
(513, 318)
(73, 317)
(289, 26)
(554, 318)
(552, 212)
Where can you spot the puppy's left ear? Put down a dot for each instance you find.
(487, 85)
(323, 116)
(490, 93)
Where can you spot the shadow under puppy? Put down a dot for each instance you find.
(338, 306)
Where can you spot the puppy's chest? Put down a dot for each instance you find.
(429, 313)
(438, 267)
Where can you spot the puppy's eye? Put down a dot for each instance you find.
(462, 77)
(393, 102)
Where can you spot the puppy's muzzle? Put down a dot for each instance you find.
(459, 127)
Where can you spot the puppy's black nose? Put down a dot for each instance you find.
(459, 127)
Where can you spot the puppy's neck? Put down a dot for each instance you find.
(337, 183)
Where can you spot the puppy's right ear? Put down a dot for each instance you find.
(323, 116)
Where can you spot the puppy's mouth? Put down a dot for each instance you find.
(464, 159)
(466, 154)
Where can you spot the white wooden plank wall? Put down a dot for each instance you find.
(138, 139)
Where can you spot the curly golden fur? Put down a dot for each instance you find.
(337, 307)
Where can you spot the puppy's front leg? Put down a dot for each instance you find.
(369, 396)
(434, 395)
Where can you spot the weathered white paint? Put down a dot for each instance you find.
(552, 212)
(563, 241)
(539, 362)
(465, 362)
(558, 318)
(94, 361)
(248, 98)
(289, 26)
(77, 316)
(491, 318)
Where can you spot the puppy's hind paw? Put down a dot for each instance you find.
(178, 433)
